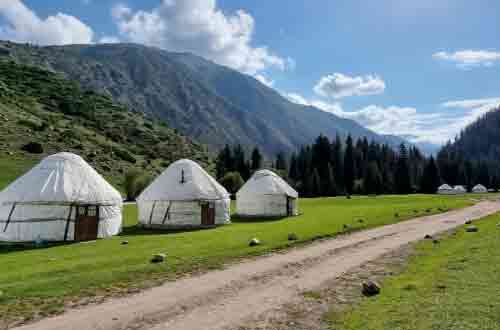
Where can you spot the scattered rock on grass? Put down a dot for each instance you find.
(124, 242)
(396, 215)
(471, 229)
(159, 257)
(254, 242)
(292, 237)
(436, 241)
(468, 222)
(370, 288)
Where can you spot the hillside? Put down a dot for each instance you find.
(480, 140)
(208, 102)
(474, 157)
(42, 107)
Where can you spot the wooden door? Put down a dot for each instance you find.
(87, 223)
(208, 214)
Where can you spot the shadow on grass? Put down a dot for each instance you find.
(6, 247)
(141, 231)
(257, 219)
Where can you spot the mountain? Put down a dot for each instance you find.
(480, 141)
(42, 113)
(474, 156)
(208, 102)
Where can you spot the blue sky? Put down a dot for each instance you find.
(422, 69)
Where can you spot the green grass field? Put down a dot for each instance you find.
(450, 286)
(43, 279)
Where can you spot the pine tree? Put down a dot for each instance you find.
(330, 186)
(338, 163)
(280, 162)
(256, 159)
(315, 184)
(430, 179)
(372, 181)
(349, 167)
(402, 177)
(294, 169)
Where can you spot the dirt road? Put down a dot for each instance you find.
(232, 297)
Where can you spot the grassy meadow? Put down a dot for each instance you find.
(44, 280)
(453, 285)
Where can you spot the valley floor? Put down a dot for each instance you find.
(252, 291)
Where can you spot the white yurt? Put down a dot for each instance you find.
(460, 190)
(266, 194)
(479, 189)
(446, 189)
(184, 195)
(61, 199)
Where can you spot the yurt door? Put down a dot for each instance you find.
(87, 221)
(207, 214)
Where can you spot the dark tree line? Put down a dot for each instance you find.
(474, 157)
(337, 167)
(344, 167)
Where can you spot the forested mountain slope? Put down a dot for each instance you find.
(42, 113)
(208, 102)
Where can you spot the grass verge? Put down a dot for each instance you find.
(451, 285)
(36, 282)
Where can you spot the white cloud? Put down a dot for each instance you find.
(433, 127)
(264, 80)
(198, 26)
(23, 25)
(469, 58)
(339, 85)
(109, 40)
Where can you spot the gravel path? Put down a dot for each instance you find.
(230, 298)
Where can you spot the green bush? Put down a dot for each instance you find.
(125, 155)
(33, 148)
(232, 181)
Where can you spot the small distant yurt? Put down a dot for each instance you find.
(459, 190)
(266, 194)
(446, 190)
(184, 195)
(61, 199)
(479, 189)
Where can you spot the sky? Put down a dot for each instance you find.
(419, 69)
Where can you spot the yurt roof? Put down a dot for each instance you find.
(184, 180)
(479, 187)
(61, 178)
(445, 187)
(459, 188)
(266, 182)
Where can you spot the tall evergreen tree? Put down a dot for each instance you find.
(349, 166)
(256, 159)
(338, 163)
(372, 182)
(402, 177)
(330, 186)
(316, 184)
(280, 162)
(430, 179)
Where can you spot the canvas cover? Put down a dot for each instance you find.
(479, 189)
(460, 189)
(175, 197)
(266, 194)
(446, 189)
(41, 204)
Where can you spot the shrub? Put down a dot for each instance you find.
(33, 148)
(134, 183)
(232, 181)
(125, 155)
